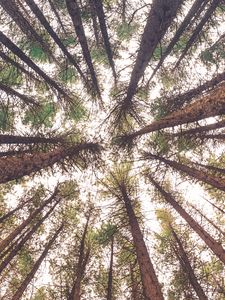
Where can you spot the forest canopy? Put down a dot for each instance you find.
(112, 117)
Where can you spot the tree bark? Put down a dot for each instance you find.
(110, 274)
(134, 285)
(94, 22)
(37, 264)
(150, 282)
(54, 9)
(216, 247)
(16, 167)
(4, 243)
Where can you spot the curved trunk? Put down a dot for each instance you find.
(103, 27)
(150, 282)
(39, 15)
(18, 52)
(216, 182)
(214, 4)
(216, 247)
(37, 264)
(210, 105)
(186, 266)
(27, 140)
(159, 19)
(26, 99)
(183, 26)
(12, 10)
(22, 242)
(4, 243)
(16, 167)
(74, 12)
(110, 274)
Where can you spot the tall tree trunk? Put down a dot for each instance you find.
(215, 206)
(150, 282)
(27, 140)
(74, 12)
(212, 168)
(216, 182)
(39, 15)
(216, 247)
(210, 105)
(159, 19)
(94, 22)
(12, 10)
(54, 9)
(27, 236)
(16, 167)
(13, 153)
(110, 274)
(81, 265)
(26, 99)
(18, 294)
(18, 52)
(103, 27)
(212, 7)
(4, 243)
(186, 266)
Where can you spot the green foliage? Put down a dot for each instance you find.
(35, 51)
(25, 261)
(41, 116)
(40, 294)
(99, 56)
(185, 144)
(77, 112)
(161, 142)
(10, 75)
(213, 55)
(105, 233)
(125, 31)
(68, 75)
(69, 41)
(158, 108)
(6, 119)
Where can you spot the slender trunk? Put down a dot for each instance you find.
(124, 5)
(212, 168)
(214, 4)
(27, 140)
(207, 219)
(54, 9)
(74, 12)
(110, 275)
(94, 22)
(214, 181)
(150, 282)
(16, 167)
(20, 245)
(186, 266)
(12, 10)
(37, 264)
(159, 19)
(39, 15)
(81, 265)
(26, 99)
(215, 206)
(4, 243)
(183, 26)
(103, 27)
(216, 247)
(199, 130)
(18, 52)
(210, 105)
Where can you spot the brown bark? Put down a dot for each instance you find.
(26, 99)
(18, 52)
(16, 167)
(37, 264)
(186, 266)
(74, 12)
(210, 105)
(150, 282)
(135, 294)
(27, 140)
(216, 247)
(4, 243)
(94, 22)
(217, 182)
(212, 168)
(110, 274)
(26, 237)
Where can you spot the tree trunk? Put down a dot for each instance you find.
(159, 19)
(22, 242)
(94, 22)
(210, 105)
(37, 264)
(54, 9)
(212, 168)
(103, 27)
(13, 153)
(39, 15)
(18, 52)
(210, 241)
(134, 285)
(16, 167)
(212, 7)
(214, 181)
(215, 206)
(74, 12)
(150, 282)
(186, 266)
(27, 140)
(26, 99)
(110, 275)
(4, 243)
